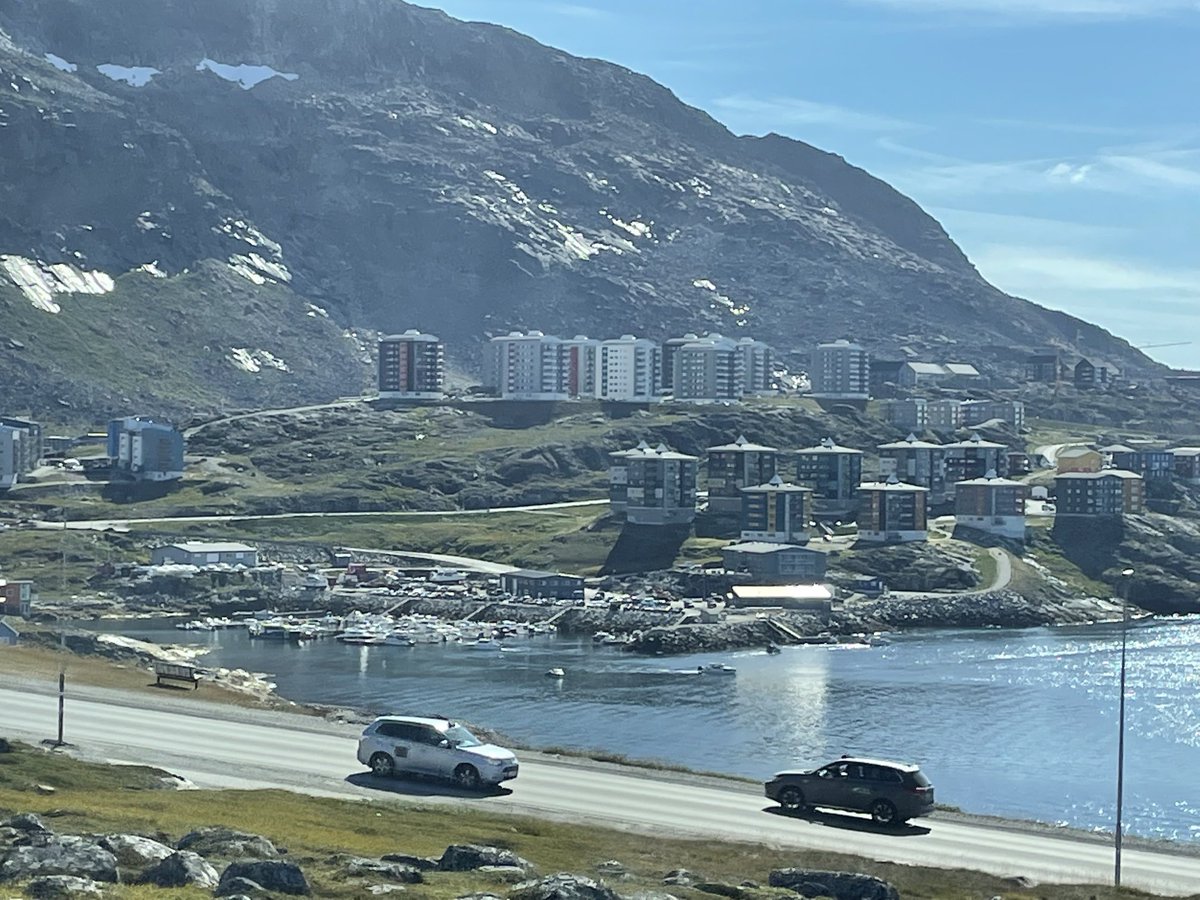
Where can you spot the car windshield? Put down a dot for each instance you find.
(460, 737)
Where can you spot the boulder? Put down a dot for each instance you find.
(5, 746)
(181, 869)
(225, 842)
(720, 889)
(394, 871)
(66, 855)
(135, 851)
(510, 874)
(29, 823)
(681, 877)
(10, 837)
(54, 887)
(837, 885)
(270, 874)
(424, 863)
(611, 867)
(464, 857)
(480, 895)
(563, 886)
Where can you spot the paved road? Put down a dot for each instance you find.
(217, 746)
(103, 524)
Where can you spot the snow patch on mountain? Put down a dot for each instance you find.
(137, 76)
(255, 360)
(61, 64)
(245, 76)
(39, 281)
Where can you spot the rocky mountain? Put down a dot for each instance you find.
(219, 203)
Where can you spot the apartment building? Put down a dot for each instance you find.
(757, 361)
(976, 412)
(1110, 492)
(670, 348)
(909, 413)
(732, 467)
(1150, 464)
(10, 456)
(834, 474)
(776, 512)
(944, 415)
(657, 485)
(840, 370)
(892, 511)
(709, 368)
(1187, 464)
(627, 369)
(992, 504)
(917, 462)
(580, 359)
(973, 458)
(526, 366)
(412, 366)
(145, 450)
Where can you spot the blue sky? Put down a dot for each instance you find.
(1058, 141)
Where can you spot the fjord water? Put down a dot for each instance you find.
(1020, 724)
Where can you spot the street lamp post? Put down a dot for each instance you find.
(1117, 836)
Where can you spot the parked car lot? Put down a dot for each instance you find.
(434, 747)
(891, 792)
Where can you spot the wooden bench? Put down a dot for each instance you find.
(176, 672)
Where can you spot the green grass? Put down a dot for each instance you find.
(986, 566)
(93, 798)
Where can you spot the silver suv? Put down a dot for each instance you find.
(435, 747)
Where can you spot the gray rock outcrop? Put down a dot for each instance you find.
(276, 875)
(63, 887)
(563, 886)
(836, 885)
(135, 851)
(183, 868)
(464, 857)
(59, 855)
(227, 843)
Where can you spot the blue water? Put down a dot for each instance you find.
(1020, 724)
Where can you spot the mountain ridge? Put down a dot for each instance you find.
(456, 177)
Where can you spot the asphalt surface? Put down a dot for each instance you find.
(217, 746)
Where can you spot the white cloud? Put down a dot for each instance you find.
(575, 10)
(776, 113)
(1044, 9)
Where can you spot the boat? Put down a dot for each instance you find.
(484, 643)
(600, 637)
(716, 669)
(556, 672)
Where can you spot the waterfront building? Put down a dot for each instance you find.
(992, 504)
(10, 456)
(1150, 464)
(913, 461)
(840, 370)
(525, 366)
(776, 512)
(618, 478)
(659, 485)
(580, 361)
(1107, 493)
(973, 458)
(834, 474)
(627, 369)
(892, 511)
(205, 553)
(411, 366)
(145, 450)
(542, 585)
(732, 467)
(774, 563)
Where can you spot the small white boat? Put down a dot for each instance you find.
(716, 669)
(556, 672)
(484, 643)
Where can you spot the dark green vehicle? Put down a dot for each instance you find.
(891, 792)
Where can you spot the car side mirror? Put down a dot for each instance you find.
(445, 744)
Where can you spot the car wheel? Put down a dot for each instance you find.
(467, 777)
(382, 765)
(883, 812)
(791, 798)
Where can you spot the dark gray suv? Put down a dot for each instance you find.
(891, 792)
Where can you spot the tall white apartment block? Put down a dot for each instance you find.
(580, 355)
(840, 370)
(627, 368)
(708, 368)
(756, 366)
(526, 366)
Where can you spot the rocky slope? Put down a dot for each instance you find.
(279, 176)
